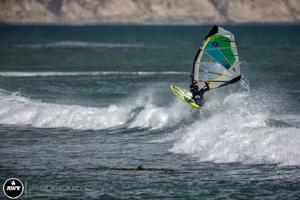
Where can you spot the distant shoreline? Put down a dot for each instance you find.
(150, 12)
(149, 24)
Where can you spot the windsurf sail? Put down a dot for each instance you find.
(217, 60)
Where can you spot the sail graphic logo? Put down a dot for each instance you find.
(13, 188)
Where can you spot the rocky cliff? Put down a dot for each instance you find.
(149, 11)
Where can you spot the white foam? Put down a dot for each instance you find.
(238, 132)
(153, 116)
(17, 110)
(159, 117)
(94, 73)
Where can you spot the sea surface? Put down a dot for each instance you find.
(81, 107)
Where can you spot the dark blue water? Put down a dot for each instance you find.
(82, 107)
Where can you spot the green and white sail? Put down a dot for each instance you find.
(217, 60)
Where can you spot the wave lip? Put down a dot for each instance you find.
(94, 73)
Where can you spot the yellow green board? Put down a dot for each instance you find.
(184, 95)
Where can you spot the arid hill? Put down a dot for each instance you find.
(149, 11)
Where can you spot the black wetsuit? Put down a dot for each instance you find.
(194, 89)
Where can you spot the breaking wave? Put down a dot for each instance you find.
(18, 110)
(232, 128)
(79, 44)
(238, 129)
(92, 73)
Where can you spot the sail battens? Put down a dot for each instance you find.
(209, 72)
(217, 59)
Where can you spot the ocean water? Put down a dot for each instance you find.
(81, 107)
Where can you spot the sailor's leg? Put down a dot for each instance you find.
(198, 100)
